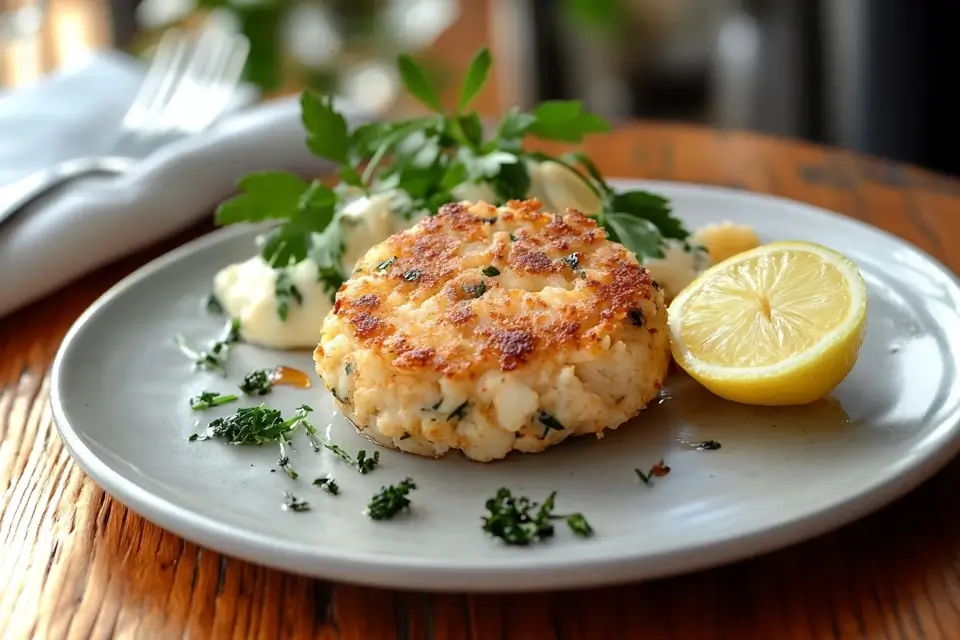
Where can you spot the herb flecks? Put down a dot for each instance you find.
(490, 271)
(579, 525)
(214, 357)
(293, 503)
(412, 275)
(257, 383)
(519, 521)
(573, 261)
(210, 399)
(361, 462)
(212, 305)
(328, 484)
(658, 470)
(286, 293)
(708, 445)
(261, 425)
(636, 317)
(386, 264)
(457, 414)
(391, 500)
(475, 290)
(549, 423)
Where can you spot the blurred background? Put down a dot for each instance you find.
(868, 75)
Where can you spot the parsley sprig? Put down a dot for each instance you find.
(390, 500)
(418, 162)
(214, 357)
(519, 521)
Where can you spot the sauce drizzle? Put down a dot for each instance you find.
(290, 377)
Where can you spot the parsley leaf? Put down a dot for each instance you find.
(565, 120)
(266, 195)
(637, 234)
(651, 207)
(417, 83)
(286, 293)
(257, 383)
(476, 77)
(326, 127)
(512, 129)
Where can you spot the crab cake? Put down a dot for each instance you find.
(492, 330)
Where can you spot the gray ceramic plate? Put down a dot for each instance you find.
(120, 392)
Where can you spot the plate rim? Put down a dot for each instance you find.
(513, 574)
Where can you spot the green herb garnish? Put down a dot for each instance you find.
(518, 520)
(210, 399)
(573, 261)
(412, 275)
(390, 501)
(214, 357)
(475, 290)
(490, 271)
(549, 422)
(286, 293)
(257, 426)
(636, 317)
(459, 412)
(257, 383)
(386, 264)
(212, 305)
(328, 484)
(418, 162)
(293, 503)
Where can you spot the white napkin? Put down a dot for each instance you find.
(94, 221)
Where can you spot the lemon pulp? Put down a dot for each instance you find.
(780, 324)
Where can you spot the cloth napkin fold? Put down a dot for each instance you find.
(94, 221)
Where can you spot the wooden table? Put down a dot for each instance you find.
(75, 563)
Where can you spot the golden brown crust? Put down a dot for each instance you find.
(567, 287)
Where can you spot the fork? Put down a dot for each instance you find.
(188, 85)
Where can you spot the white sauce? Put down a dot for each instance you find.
(677, 268)
(246, 289)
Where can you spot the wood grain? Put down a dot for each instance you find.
(76, 564)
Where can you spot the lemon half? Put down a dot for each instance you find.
(781, 324)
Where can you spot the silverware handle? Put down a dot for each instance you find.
(15, 196)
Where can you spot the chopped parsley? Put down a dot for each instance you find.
(490, 271)
(520, 521)
(328, 484)
(214, 357)
(475, 290)
(212, 305)
(636, 317)
(386, 264)
(549, 422)
(257, 426)
(391, 500)
(293, 503)
(458, 413)
(286, 293)
(257, 383)
(361, 462)
(210, 399)
(658, 470)
(573, 261)
(412, 275)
